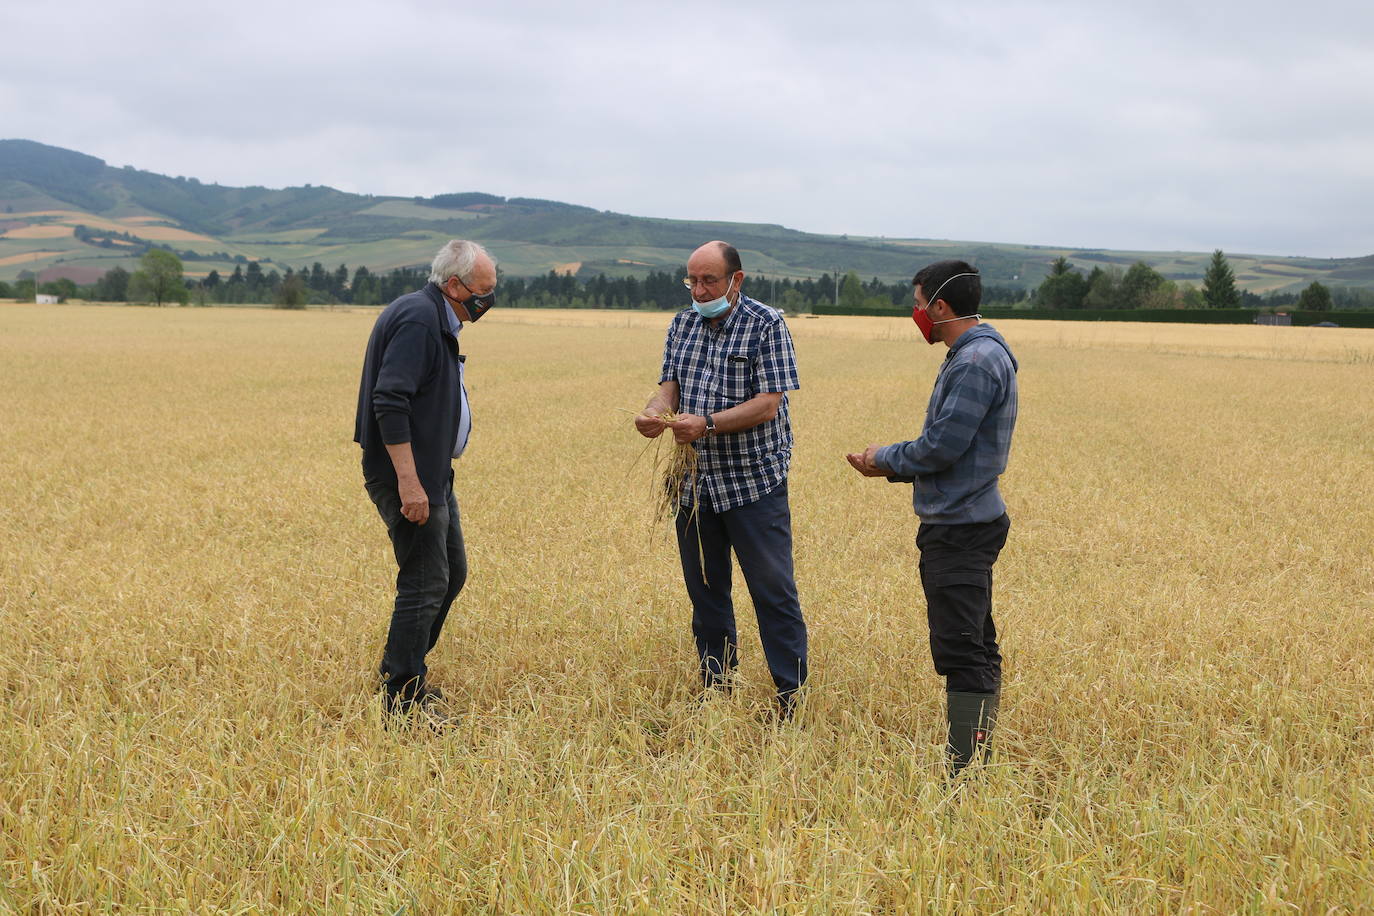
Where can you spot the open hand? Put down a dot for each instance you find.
(864, 462)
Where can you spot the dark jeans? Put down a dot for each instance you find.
(761, 535)
(956, 573)
(431, 569)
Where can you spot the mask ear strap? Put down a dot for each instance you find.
(931, 300)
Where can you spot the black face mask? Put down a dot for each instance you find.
(478, 306)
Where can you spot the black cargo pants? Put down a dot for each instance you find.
(956, 574)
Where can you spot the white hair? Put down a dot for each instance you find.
(456, 259)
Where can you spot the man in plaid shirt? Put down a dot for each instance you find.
(728, 364)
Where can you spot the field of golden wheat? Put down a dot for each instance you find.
(195, 590)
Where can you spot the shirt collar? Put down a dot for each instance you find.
(454, 325)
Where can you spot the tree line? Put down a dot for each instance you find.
(160, 279)
(132, 244)
(1140, 286)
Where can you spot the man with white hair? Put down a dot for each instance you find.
(412, 422)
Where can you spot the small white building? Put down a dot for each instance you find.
(45, 299)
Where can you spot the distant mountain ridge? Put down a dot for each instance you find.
(46, 192)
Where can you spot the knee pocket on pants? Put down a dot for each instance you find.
(976, 578)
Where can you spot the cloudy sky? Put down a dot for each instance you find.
(1247, 126)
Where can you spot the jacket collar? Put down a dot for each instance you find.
(440, 305)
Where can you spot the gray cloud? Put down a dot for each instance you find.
(1245, 126)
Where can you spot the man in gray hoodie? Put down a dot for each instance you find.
(954, 464)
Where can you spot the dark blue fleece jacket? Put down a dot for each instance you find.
(410, 391)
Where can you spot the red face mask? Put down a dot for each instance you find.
(922, 317)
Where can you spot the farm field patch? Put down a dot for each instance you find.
(196, 589)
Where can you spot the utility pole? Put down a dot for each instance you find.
(837, 287)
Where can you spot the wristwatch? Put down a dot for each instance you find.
(710, 426)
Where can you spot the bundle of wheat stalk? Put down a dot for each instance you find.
(673, 467)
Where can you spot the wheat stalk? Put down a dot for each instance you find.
(187, 715)
(674, 466)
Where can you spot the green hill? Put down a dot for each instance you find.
(47, 193)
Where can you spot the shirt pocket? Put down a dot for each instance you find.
(734, 377)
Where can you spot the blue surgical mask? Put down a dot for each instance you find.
(716, 307)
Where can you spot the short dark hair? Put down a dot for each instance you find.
(962, 295)
(731, 256)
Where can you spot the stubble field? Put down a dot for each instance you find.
(195, 590)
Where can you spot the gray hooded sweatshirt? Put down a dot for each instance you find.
(966, 440)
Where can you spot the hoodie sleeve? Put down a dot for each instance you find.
(405, 362)
(972, 392)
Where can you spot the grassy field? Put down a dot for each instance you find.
(195, 591)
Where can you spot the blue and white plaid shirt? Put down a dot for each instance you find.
(715, 368)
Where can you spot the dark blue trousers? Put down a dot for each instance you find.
(761, 535)
(432, 566)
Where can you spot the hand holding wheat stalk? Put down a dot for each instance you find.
(673, 467)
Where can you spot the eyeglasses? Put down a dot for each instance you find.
(471, 290)
(708, 282)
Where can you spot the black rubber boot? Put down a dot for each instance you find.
(972, 717)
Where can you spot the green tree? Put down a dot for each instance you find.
(5, 291)
(253, 277)
(63, 288)
(364, 288)
(1064, 288)
(1316, 298)
(114, 286)
(1163, 296)
(1344, 297)
(1191, 297)
(158, 278)
(1139, 284)
(1219, 284)
(234, 289)
(338, 285)
(1104, 289)
(292, 294)
(851, 291)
